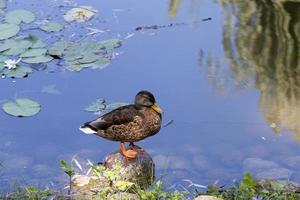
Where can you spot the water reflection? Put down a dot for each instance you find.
(173, 7)
(262, 45)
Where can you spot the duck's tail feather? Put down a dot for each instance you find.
(87, 130)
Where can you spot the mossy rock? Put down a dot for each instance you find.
(116, 175)
(140, 170)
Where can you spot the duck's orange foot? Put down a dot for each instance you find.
(135, 147)
(128, 153)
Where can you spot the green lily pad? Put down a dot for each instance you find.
(80, 14)
(22, 107)
(33, 53)
(18, 16)
(88, 58)
(51, 27)
(96, 106)
(16, 47)
(18, 72)
(20, 44)
(102, 106)
(4, 46)
(58, 48)
(51, 89)
(110, 44)
(8, 30)
(101, 63)
(38, 59)
(77, 66)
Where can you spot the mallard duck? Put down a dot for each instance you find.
(130, 123)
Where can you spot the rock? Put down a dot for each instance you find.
(116, 175)
(124, 195)
(257, 165)
(274, 173)
(83, 185)
(140, 170)
(277, 185)
(206, 197)
(293, 161)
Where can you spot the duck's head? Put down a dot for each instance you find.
(146, 99)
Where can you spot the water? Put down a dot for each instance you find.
(230, 84)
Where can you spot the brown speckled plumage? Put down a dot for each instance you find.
(129, 123)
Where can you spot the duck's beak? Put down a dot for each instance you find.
(157, 108)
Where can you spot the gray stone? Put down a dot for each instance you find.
(277, 185)
(257, 165)
(274, 173)
(206, 197)
(124, 195)
(293, 161)
(140, 170)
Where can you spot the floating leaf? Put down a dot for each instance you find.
(80, 14)
(101, 63)
(51, 27)
(8, 30)
(33, 53)
(18, 72)
(22, 107)
(18, 16)
(96, 106)
(38, 59)
(58, 48)
(110, 44)
(77, 66)
(103, 106)
(4, 46)
(21, 44)
(88, 58)
(51, 89)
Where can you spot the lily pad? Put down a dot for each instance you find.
(51, 89)
(51, 27)
(18, 72)
(22, 107)
(18, 45)
(33, 53)
(8, 30)
(38, 59)
(80, 14)
(58, 48)
(110, 44)
(96, 106)
(101, 63)
(18, 16)
(88, 58)
(101, 106)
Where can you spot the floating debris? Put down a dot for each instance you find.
(80, 14)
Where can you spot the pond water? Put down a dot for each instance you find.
(231, 84)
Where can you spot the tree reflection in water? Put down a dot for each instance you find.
(262, 46)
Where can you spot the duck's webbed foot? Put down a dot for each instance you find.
(128, 153)
(135, 147)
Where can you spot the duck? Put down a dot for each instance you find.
(129, 123)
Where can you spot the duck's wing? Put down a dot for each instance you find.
(121, 115)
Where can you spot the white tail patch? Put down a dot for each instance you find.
(87, 130)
